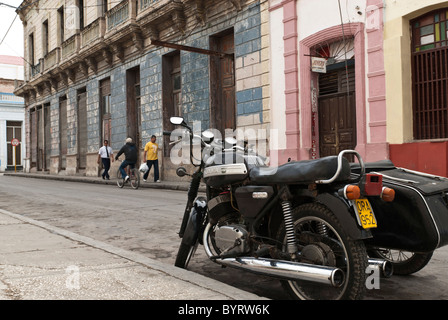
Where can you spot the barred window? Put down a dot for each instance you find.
(430, 75)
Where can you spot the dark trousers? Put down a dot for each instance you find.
(156, 169)
(123, 165)
(106, 165)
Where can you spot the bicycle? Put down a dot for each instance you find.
(134, 177)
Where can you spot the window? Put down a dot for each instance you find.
(31, 49)
(430, 75)
(45, 44)
(61, 25)
(104, 8)
(430, 31)
(81, 13)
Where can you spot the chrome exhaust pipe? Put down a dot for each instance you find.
(287, 270)
(385, 267)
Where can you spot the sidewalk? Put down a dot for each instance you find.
(171, 185)
(42, 262)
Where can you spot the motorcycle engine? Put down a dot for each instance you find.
(232, 239)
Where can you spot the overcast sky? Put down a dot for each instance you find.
(12, 44)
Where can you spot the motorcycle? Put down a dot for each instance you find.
(304, 222)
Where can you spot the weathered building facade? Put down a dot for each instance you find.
(111, 70)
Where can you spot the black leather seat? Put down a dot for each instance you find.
(300, 172)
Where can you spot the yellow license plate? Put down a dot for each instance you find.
(365, 213)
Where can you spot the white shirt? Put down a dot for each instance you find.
(103, 152)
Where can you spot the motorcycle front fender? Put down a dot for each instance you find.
(341, 210)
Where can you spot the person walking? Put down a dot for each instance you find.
(130, 152)
(150, 155)
(106, 155)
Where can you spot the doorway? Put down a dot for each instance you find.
(337, 109)
(133, 107)
(222, 83)
(63, 139)
(82, 128)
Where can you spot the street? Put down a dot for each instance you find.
(146, 221)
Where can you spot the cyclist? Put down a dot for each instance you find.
(130, 152)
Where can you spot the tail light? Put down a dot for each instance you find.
(351, 192)
(387, 194)
(373, 184)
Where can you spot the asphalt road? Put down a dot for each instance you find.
(147, 220)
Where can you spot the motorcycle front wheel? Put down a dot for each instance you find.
(184, 254)
(322, 240)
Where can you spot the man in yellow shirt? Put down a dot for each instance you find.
(150, 154)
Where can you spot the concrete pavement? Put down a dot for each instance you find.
(182, 184)
(41, 262)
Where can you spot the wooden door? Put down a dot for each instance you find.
(40, 139)
(337, 112)
(33, 137)
(223, 113)
(82, 129)
(63, 141)
(47, 137)
(133, 107)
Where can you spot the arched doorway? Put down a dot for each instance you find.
(337, 109)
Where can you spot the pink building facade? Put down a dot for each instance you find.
(321, 113)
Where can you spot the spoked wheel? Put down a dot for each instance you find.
(323, 241)
(120, 180)
(134, 178)
(404, 262)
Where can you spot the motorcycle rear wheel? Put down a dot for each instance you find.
(323, 241)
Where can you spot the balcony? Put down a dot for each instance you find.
(119, 14)
(70, 46)
(51, 59)
(93, 33)
(155, 15)
(145, 4)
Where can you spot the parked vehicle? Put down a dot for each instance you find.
(304, 222)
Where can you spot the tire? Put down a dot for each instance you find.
(120, 180)
(184, 255)
(330, 246)
(134, 178)
(404, 262)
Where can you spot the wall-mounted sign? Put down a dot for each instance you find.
(318, 64)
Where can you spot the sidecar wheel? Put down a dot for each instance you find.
(323, 241)
(404, 262)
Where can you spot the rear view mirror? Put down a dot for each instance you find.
(177, 121)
